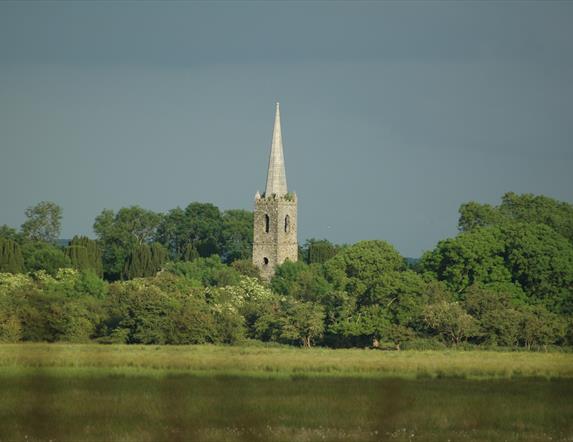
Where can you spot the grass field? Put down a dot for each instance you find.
(207, 393)
(284, 362)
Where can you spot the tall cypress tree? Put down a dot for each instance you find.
(159, 256)
(85, 254)
(79, 257)
(138, 263)
(190, 253)
(144, 260)
(11, 260)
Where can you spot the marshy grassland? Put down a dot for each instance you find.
(281, 362)
(216, 393)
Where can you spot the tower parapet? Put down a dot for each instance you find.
(275, 220)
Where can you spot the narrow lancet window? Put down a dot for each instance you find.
(287, 224)
(267, 223)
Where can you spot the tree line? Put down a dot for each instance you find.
(132, 242)
(505, 281)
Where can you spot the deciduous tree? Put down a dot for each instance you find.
(355, 268)
(237, 235)
(44, 256)
(318, 251)
(43, 222)
(469, 258)
(449, 320)
(122, 232)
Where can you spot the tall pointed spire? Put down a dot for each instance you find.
(276, 176)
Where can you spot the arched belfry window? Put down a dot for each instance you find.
(267, 223)
(287, 224)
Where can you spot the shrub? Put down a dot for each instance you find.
(206, 272)
(44, 256)
(10, 326)
(424, 344)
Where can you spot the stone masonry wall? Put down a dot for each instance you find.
(280, 242)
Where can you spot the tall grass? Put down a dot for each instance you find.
(277, 362)
(215, 393)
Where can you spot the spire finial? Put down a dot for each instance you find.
(276, 176)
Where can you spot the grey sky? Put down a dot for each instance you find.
(393, 114)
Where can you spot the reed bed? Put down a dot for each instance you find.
(270, 362)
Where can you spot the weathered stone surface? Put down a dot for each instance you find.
(275, 221)
(276, 176)
(274, 239)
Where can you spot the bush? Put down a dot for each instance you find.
(424, 344)
(10, 327)
(246, 268)
(44, 256)
(71, 321)
(205, 272)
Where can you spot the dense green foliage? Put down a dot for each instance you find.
(199, 230)
(202, 230)
(11, 260)
(85, 254)
(533, 258)
(8, 232)
(318, 251)
(506, 280)
(39, 255)
(144, 260)
(237, 235)
(526, 208)
(121, 233)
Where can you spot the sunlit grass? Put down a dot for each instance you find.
(279, 362)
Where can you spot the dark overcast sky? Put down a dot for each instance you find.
(393, 114)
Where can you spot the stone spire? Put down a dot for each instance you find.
(276, 176)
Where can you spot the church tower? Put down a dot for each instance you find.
(274, 237)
